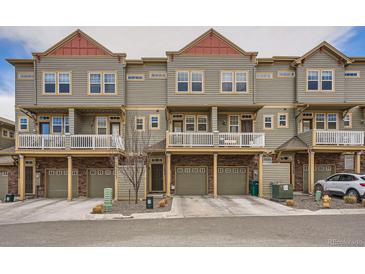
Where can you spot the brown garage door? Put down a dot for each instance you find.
(191, 180)
(57, 183)
(100, 178)
(232, 180)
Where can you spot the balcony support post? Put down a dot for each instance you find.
(310, 172)
(168, 174)
(69, 178)
(21, 178)
(215, 174)
(358, 162)
(116, 172)
(260, 176)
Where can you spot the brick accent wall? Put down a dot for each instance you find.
(81, 164)
(250, 161)
(336, 159)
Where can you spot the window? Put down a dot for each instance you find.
(352, 74)
(233, 123)
(5, 133)
(327, 80)
(101, 125)
(264, 75)
(154, 121)
(56, 124)
(11, 134)
(189, 123)
(23, 123)
(196, 81)
(282, 120)
(50, 83)
(183, 81)
(158, 74)
(286, 74)
(139, 124)
(25, 75)
(64, 82)
(109, 83)
(66, 122)
(241, 81)
(135, 77)
(347, 121)
(331, 121)
(349, 161)
(95, 83)
(227, 81)
(268, 122)
(202, 123)
(313, 80)
(320, 121)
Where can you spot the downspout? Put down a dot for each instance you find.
(254, 85)
(35, 81)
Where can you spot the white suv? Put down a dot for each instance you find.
(343, 184)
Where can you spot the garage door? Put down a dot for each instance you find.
(232, 180)
(100, 178)
(320, 172)
(57, 183)
(3, 184)
(191, 180)
(275, 172)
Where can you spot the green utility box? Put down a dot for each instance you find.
(253, 188)
(281, 191)
(108, 199)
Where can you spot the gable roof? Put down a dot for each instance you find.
(293, 144)
(87, 43)
(6, 121)
(328, 47)
(222, 41)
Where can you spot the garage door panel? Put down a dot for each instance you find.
(232, 180)
(57, 184)
(191, 180)
(321, 171)
(3, 184)
(98, 180)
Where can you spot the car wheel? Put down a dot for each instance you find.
(318, 187)
(353, 192)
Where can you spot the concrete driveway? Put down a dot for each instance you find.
(43, 210)
(225, 206)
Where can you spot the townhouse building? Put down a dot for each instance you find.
(218, 117)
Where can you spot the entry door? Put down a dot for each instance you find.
(157, 177)
(44, 128)
(307, 125)
(115, 129)
(247, 126)
(28, 179)
(177, 126)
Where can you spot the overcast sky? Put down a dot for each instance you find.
(136, 42)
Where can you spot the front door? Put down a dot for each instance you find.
(115, 128)
(44, 128)
(177, 126)
(247, 126)
(28, 180)
(307, 125)
(157, 177)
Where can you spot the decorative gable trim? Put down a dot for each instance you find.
(211, 43)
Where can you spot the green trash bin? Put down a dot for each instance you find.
(254, 188)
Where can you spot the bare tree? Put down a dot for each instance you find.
(136, 145)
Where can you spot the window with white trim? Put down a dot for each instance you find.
(135, 77)
(23, 123)
(286, 74)
(331, 121)
(11, 134)
(282, 120)
(234, 125)
(196, 81)
(347, 120)
(158, 74)
(95, 83)
(64, 82)
(101, 125)
(202, 123)
(313, 80)
(268, 121)
(234, 82)
(109, 83)
(183, 81)
(190, 123)
(154, 121)
(57, 124)
(66, 123)
(320, 80)
(139, 124)
(352, 74)
(227, 81)
(49, 83)
(5, 133)
(327, 78)
(241, 81)
(320, 121)
(264, 75)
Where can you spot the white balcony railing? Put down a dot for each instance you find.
(38, 141)
(336, 137)
(190, 139)
(228, 139)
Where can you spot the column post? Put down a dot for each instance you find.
(116, 172)
(215, 175)
(21, 178)
(261, 177)
(358, 162)
(69, 178)
(310, 172)
(168, 174)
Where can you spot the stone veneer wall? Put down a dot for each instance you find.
(250, 161)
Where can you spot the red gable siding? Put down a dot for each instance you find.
(211, 45)
(78, 45)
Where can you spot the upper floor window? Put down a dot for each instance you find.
(66, 122)
(23, 123)
(101, 125)
(102, 83)
(57, 124)
(320, 121)
(196, 81)
(352, 74)
(347, 121)
(183, 81)
(264, 75)
(57, 82)
(154, 121)
(286, 74)
(282, 120)
(64, 82)
(268, 121)
(202, 123)
(11, 134)
(158, 74)
(331, 121)
(326, 122)
(190, 81)
(135, 77)
(234, 123)
(232, 82)
(320, 80)
(50, 83)
(189, 123)
(139, 124)
(5, 133)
